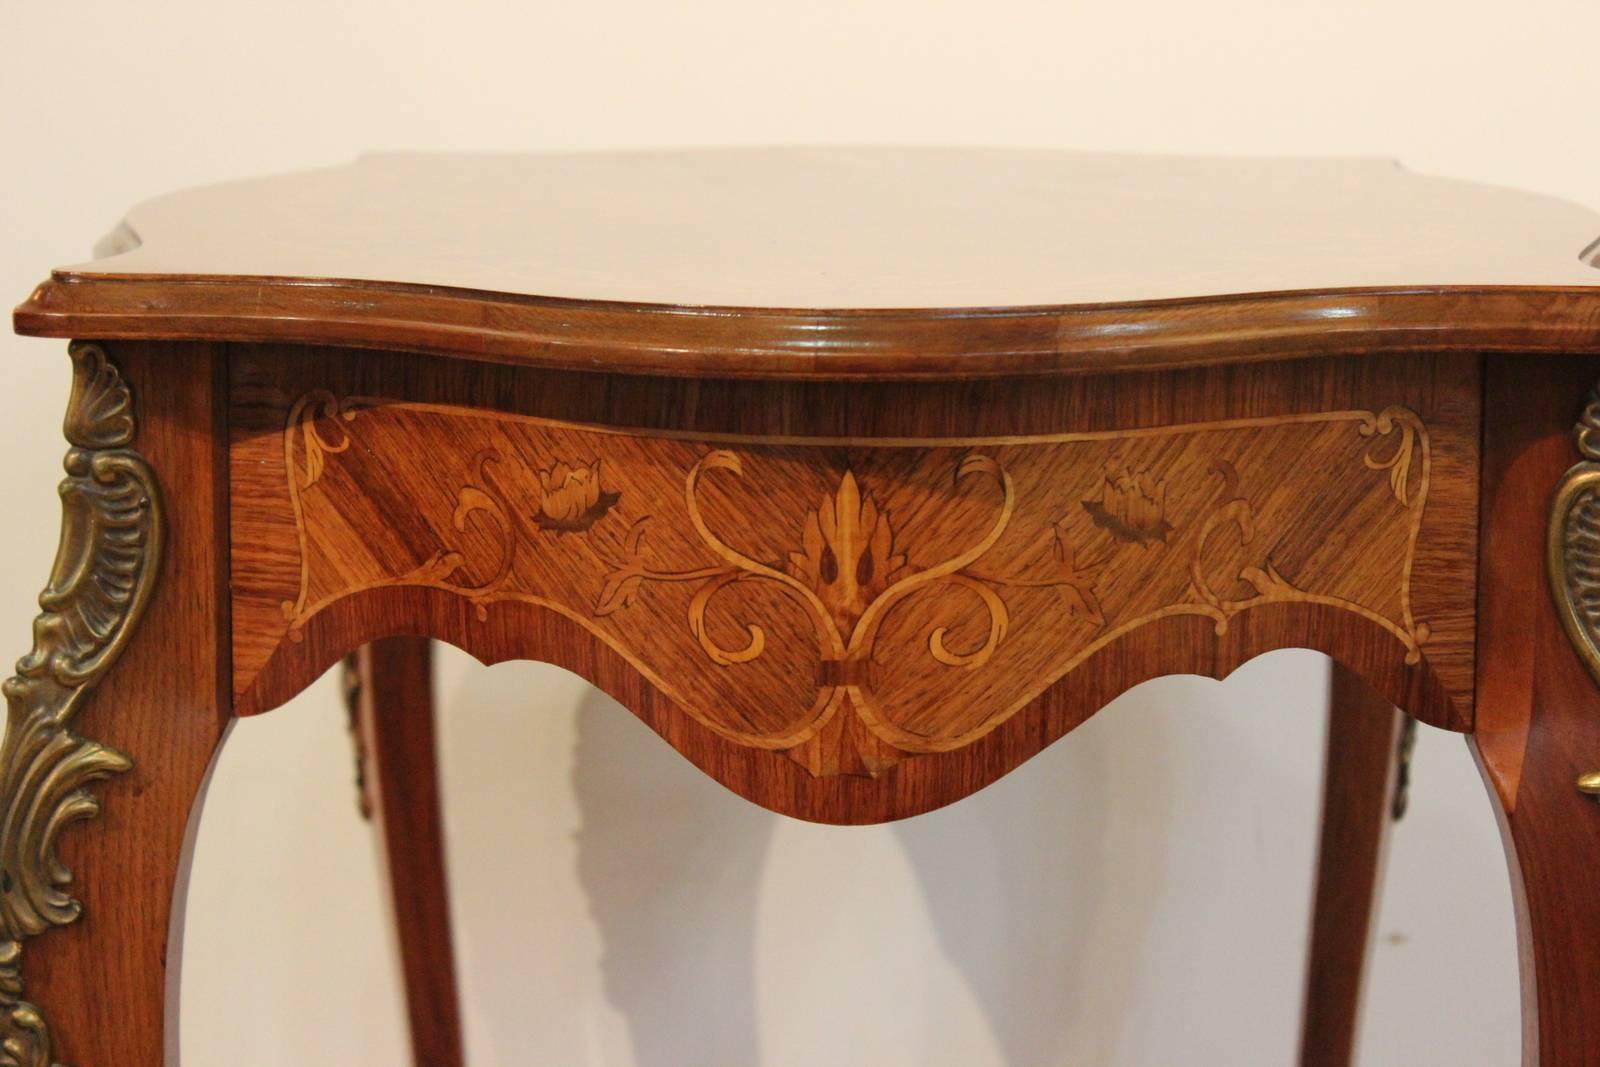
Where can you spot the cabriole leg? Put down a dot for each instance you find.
(391, 694)
(1538, 719)
(120, 705)
(1358, 802)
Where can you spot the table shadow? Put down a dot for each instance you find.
(1013, 881)
(671, 865)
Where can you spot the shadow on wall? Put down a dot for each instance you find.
(674, 869)
(673, 866)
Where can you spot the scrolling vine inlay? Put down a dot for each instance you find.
(795, 590)
(103, 575)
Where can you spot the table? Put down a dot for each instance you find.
(860, 475)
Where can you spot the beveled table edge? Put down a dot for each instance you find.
(787, 343)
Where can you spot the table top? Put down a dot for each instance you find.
(814, 261)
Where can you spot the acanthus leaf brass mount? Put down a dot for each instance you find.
(1572, 552)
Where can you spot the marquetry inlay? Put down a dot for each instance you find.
(851, 604)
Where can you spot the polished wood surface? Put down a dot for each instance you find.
(820, 595)
(1359, 783)
(860, 476)
(826, 228)
(1545, 729)
(394, 723)
(845, 262)
(107, 983)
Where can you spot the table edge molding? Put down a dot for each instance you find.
(789, 343)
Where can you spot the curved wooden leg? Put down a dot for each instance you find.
(113, 720)
(1538, 708)
(392, 701)
(1364, 736)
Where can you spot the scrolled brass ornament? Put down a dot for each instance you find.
(111, 539)
(1572, 548)
(1572, 552)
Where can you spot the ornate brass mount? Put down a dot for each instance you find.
(1572, 551)
(103, 576)
(351, 685)
(1405, 748)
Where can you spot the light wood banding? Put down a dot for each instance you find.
(847, 602)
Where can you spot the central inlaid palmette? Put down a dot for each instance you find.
(852, 604)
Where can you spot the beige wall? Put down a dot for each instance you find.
(1136, 895)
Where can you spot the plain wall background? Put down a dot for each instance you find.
(1136, 895)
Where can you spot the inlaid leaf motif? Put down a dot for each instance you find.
(1076, 586)
(1268, 582)
(1007, 548)
(622, 584)
(1398, 464)
(847, 553)
(315, 407)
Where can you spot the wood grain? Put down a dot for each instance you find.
(1541, 710)
(395, 721)
(756, 583)
(859, 475)
(859, 227)
(846, 262)
(960, 344)
(109, 982)
(1357, 788)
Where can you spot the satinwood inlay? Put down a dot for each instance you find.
(801, 593)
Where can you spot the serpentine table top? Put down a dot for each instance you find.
(842, 262)
(859, 474)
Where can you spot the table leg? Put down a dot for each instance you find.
(1364, 732)
(1538, 707)
(392, 699)
(123, 704)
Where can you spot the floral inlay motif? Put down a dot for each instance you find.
(789, 592)
(1132, 505)
(846, 574)
(571, 498)
(847, 553)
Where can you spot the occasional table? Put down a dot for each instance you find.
(860, 475)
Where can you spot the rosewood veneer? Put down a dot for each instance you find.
(860, 475)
